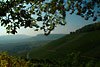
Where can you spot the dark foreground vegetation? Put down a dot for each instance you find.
(72, 60)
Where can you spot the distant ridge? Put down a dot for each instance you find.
(17, 44)
(49, 37)
(14, 37)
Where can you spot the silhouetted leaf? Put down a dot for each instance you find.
(39, 19)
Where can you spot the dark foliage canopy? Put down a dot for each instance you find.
(31, 13)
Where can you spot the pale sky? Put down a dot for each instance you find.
(73, 22)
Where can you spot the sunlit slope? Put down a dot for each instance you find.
(87, 43)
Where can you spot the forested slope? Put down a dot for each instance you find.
(87, 43)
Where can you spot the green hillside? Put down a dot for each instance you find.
(63, 52)
(77, 49)
(19, 44)
(87, 43)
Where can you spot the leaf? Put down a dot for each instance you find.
(36, 29)
(86, 18)
(2, 23)
(45, 5)
(50, 17)
(95, 18)
(68, 6)
(9, 27)
(76, 4)
(39, 19)
(8, 11)
(8, 32)
(16, 10)
(45, 18)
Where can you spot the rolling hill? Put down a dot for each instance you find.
(87, 43)
(49, 37)
(16, 44)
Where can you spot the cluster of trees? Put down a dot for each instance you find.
(19, 13)
(88, 28)
(72, 60)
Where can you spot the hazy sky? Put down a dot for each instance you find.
(73, 22)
